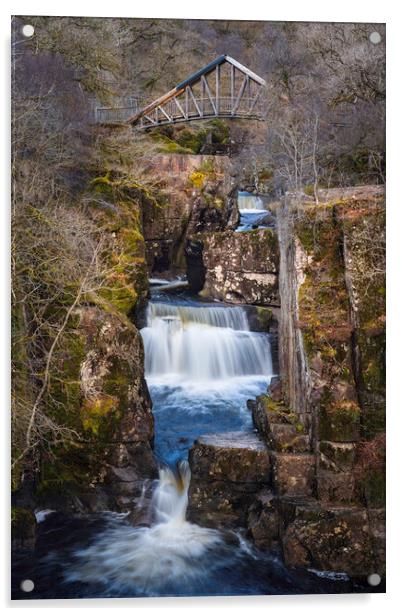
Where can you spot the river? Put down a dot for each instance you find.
(202, 363)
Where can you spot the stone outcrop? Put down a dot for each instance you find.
(238, 267)
(332, 538)
(322, 423)
(103, 397)
(196, 197)
(227, 470)
(331, 330)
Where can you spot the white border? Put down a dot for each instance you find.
(302, 10)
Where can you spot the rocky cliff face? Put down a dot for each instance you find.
(332, 364)
(97, 395)
(239, 268)
(321, 497)
(112, 414)
(197, 197)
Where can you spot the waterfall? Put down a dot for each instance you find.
(203, 343)
(202, 363)
(253, 213)
(248, 201)
(172, 551)
(170, 499)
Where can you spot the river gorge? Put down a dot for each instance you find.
(236, 482)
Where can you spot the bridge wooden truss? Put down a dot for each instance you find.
(222, 89)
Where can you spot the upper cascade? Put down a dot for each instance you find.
(200, 343)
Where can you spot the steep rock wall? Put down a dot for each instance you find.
(238, 267)
(97, 396)
(197, 197)
(320, 497)
(332, 365)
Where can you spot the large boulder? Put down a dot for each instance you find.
(227, 470)
(240, 267)
(102, 398)
(332, 539)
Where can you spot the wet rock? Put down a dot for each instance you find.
(240, 457)
(263, 521)
(195, 265)
(226, 472)
(327, 538)
(262, 319)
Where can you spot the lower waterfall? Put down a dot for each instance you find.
(202, 363)
(202, 343)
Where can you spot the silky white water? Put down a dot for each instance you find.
(148, 559)
(202, 343)
(248, 201)
(252, 212)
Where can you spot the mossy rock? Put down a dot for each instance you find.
(373, 489)
(100, 416)
(23, 528)
(340, 421)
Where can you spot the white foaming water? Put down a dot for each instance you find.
(203, 343)
(252, 212)
(152, 558)
(248, 201)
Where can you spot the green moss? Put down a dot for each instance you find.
(96, 412)
(339, 421)
(23, 525)
(119, 292)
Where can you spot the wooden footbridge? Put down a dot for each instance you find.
(224, 88)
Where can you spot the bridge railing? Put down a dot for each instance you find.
(113, 115)
(225, 106)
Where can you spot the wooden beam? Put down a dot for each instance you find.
(156, 103)
(241, 92)
(190, 89)
(217, 88)
(206, 87)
